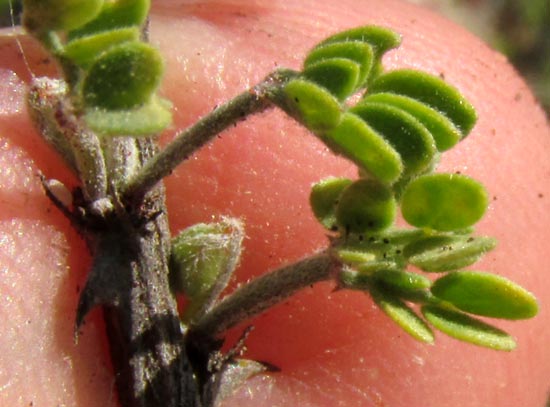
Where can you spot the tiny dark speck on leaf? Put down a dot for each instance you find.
(297, 100)
(470, 239)
(386, 241)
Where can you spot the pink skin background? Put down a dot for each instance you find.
(334, 349)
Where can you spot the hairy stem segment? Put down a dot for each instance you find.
(263, 292)
(258, 99)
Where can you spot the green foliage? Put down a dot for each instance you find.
(468, 329)
(365, 206)
(430, 90)
(485, 294)
(114, 14)
(113, 75)
(123, 77)
(46, 15)
(444, 202)
(324, 198)
(395, 133)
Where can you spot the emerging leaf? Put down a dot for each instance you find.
(430, 90)
(443, 202)
(339, 76)
(356, 51)
(313, 105)
(323, 199)
(468, 329)
(357, 141)
(443, 131)
(406, 135)
(123, 77)
(366, 205)
(486, 294)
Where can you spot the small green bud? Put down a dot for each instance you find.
(202, 261)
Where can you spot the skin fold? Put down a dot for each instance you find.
(333, 348)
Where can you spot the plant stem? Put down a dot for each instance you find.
(256, 100)
(263, 292)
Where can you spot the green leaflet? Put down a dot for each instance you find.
(379, 38)
(324, 197)
(115, 14)
(83, 51)
(406, 135)
(315, 107)
(356, 51)
(202, 260)
(123, 77)
(468, 329)
(339, 76)
(430, 90)
(443, 131)
(151, 118)
(403, 280)
(443, 202)
(365, 205)
(357, 141)
(401, 314)
(45, 15)
(485, 294)
(447, 252)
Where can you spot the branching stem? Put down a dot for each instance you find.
(263, 292)
(258, 99)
